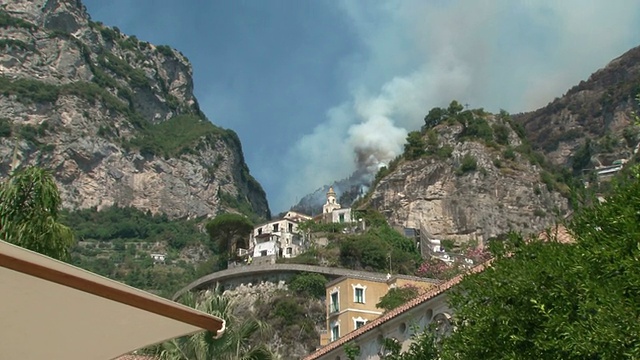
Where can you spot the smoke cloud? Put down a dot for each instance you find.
(496, 54)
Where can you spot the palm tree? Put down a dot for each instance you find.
(235, 343)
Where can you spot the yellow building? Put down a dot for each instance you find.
(351, 301)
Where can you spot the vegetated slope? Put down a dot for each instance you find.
(118, 242)
(468, 176)
(113, 117)
(591, 124)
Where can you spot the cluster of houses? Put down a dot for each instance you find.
(283, 238)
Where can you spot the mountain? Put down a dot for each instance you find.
(113, 117)
(468, 176)
(590, 126)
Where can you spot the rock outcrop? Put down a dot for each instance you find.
(468, 189)
(113, 117)
(599, 110)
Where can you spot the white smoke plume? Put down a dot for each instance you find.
(516, 55)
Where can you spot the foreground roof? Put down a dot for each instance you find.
(52, 310)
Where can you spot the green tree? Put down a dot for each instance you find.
(415, 146)
(397, 296)
(553, 300)
(308, 283)
(434, 117)
(29, 209)
(454, 108)
(235, 343)
(424, 346)
(229, 231)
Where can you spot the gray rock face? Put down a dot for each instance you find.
(473, 206)
(78, 97)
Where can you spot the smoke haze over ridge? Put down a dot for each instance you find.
(515, 55)
(312, 87)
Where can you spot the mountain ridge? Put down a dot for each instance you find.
(113, 117)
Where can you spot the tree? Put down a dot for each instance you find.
(553, 300)
(434, 117)
(229, 231)
(234, 344)
(424, 346)
(29, 209)
(397, 296)
(308, 283)
(415, 146)
(454, 108)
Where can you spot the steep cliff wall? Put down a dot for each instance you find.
(113, 117)
(468, 187)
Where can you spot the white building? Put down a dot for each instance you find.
(280, 237)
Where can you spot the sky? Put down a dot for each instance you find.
(316, 89)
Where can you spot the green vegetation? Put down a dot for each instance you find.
(229, 232)
(415, 146)
(374, 249)
(177, 136)
(397, 296)
(468, 164)
(135, 77)
(235, 343)
(6, 20)
(311, 284)
(29, 212)
(116, 242)
(295, 317)
(240, 203)
(550, 300)
(5, 127)
(165, 50)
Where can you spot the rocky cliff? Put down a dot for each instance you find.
(590, 125)
(113, 117)
(471, 177)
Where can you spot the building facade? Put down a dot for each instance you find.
(279, 238)
(351, 302)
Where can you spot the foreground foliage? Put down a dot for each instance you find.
(550, 300)
(235, 343)
(29, 211)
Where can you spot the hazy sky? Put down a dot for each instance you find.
(308, 83)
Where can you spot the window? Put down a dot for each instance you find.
(290, 227)
(360, 323)
(275, 227)
(289, 250)
(263, 253)
(335, 305)
(359, 293)
(341, 216)
(260, 231)
(335, 332)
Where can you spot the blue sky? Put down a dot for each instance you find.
(308, 84)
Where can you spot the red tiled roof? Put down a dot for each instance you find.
(437, 290)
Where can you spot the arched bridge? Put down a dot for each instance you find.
(253, 273)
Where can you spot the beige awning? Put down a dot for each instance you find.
(51, 310)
